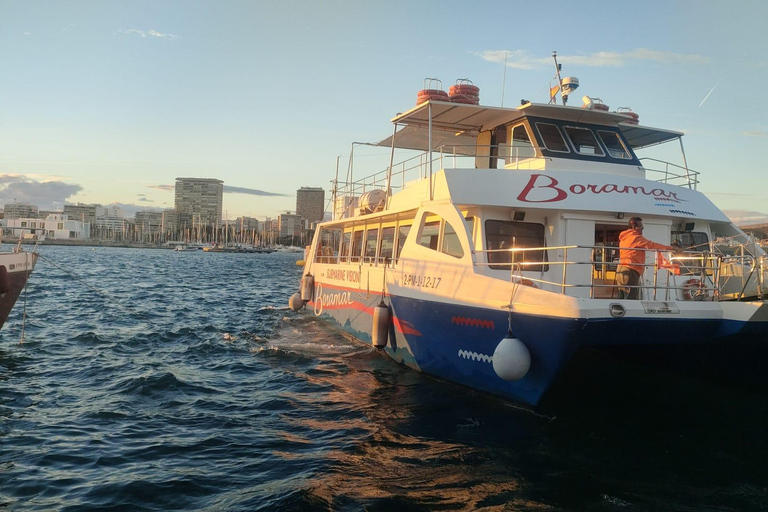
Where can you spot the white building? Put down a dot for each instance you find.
(55, 226)
(110, 218)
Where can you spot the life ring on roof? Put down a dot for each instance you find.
(468, 100)
(633, 117)
(431, 95)
(464, 89)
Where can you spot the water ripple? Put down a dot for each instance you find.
(186, 383)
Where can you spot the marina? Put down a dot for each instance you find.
(385, 257)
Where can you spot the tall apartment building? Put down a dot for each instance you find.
(289, 225)
(149, 221)
(109, 218)
(310, 203)
(20, 210)
(81, 212)
(246, 223)
(199, 201)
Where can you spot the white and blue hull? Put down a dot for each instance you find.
(456, 342)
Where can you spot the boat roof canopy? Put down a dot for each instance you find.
(458, 124)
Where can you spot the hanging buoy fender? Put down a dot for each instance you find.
(295, 302)
(382, 318)
(307, 287)
(511, 359)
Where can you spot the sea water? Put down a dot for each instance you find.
(159, 380)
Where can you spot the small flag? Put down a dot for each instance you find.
(662, 262)
(553, 92)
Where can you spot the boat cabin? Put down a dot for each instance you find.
(539, 191)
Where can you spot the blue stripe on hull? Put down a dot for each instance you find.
(456, 343)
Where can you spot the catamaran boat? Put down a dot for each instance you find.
(487, 256)
(15, 268)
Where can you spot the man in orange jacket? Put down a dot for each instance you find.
(631, 262)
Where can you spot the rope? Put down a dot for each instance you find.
(24, 309)
(109, 299)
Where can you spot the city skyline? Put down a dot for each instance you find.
(107, 103)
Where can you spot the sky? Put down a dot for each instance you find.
(109, 101)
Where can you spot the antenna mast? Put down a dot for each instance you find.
(504, 80)
(553, 96)
(564, 85)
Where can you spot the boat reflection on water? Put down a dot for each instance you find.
(380, 437)
(386, 432)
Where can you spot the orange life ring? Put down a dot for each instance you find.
(695, 289)
(464, 89)
(431, 95)
(465, 100)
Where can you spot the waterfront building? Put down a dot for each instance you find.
(290, 226)
(149, 222)
(16, 210)
(56, 226)
(310, 203)
(170, 222)
(109, 219)
(246, 223)
(199, 202)
(43, 214)
(80, 211)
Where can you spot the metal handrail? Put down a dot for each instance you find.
(689, 177)
(417, 167)
(705, 273)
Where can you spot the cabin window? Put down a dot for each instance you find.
(522, 147)
(583, 141)
(24, 224)
(505, 234)
(346, 239)
(430, 234)
(60, 225)
(328, 244)
(451, 242)
(402, 234)
(357, 246)
(387, 243)
(552, 138)
(371, 237)
(614, 144)
(691, 240)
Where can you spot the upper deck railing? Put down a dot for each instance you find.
(419, 167)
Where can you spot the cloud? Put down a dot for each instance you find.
(251, 191)
(522, 59)
(43, 194)
(746, 217)
(755, 133)
(227, 190)
(145, 200)
(167, 188)
(131, 209)
(149, 33)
